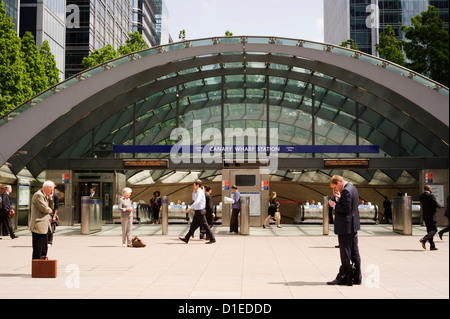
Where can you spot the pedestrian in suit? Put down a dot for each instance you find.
(209, 208)
(429, 205)
(235, 209)
(446, 229)
(199, 219)
(5, 208)
(346, 226)
(41, 209)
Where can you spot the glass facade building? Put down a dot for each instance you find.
(12, 10)
(45, 19)
(151, 19)
(357, 20)
(95, 24)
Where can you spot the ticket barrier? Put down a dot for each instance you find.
(416, 213)
(117, 213)
(314, 213)
(178, 211)
(91, 214)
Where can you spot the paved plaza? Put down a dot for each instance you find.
(293, 262)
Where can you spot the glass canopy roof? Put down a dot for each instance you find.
(239, 87)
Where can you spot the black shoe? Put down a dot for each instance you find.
(15, 236)
(433, 248)
(183, 239)
(210, 242)
(423, 243)
(440, 235)
(336, 282)
(264, 226)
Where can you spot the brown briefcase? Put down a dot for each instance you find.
(43, 268)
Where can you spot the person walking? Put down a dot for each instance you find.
(446, 229)
(5, 209)
(272, 208)
(209, 208)
(429, 205)
(387, 209)
(126, 217)
(41, 209)
(199, 220)
(235, 209)
(155, 204)
(346, 226)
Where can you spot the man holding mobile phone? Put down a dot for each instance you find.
(345, 202)
(41, 210)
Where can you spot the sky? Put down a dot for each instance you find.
(298, 19)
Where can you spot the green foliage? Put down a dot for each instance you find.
(228, 33)
(49, 61)
(389, 47)
(14, 82)
(133, 44)
(182, 35)
(350, 44)
(25, 71)
(427, 45)
(34, 65)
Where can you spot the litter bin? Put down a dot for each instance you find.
(91, 214)
(402, 215)
(245, 215)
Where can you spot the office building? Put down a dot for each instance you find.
(151, 19)
(12, 10)
(45, 19)
(363, 20)
(97, 24)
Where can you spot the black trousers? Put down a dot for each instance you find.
(431, 231)
(349, 251)
(209, 220)
(200, 220)
(234, 220)
(39, 245)
(7, 225)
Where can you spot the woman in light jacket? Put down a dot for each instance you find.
(126, 207)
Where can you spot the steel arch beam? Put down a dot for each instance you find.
(88, 96)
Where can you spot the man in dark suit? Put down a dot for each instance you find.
(5, 208)
(429, 205)
(345, 202)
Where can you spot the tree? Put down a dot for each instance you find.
(350, 44)
(33, 64)
(49, 61)
(99, 56)
(13, 77)
(228, 33)
(389, 47)
(427, 45)
(134, 43)
(182, 35)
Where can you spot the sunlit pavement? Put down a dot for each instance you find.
(292, 262)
